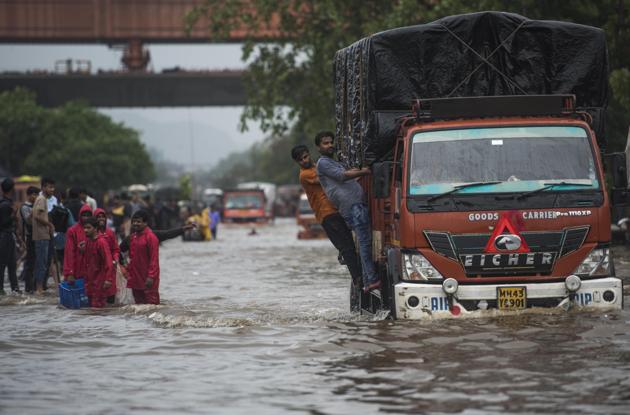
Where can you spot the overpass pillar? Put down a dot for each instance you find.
(135, 56)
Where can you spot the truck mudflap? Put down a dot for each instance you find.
(423, 301)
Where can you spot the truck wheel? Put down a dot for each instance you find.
(392, 277)
(388, 292)
(355, 297)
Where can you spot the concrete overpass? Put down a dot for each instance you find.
(111, 22)
(132, 24)
(133, 89)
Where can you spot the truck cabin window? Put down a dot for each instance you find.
(243, 202)
(502, 160)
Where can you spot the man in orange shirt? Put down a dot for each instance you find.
(326, 214)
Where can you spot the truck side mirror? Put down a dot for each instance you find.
(619, 197)
(618, 170)
(619, 173)
(381, 173)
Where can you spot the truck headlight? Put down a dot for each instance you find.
(596, 264)
(417, 268)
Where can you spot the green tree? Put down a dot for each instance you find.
(290, 80)
(74, 144)
(185, 187)
(20, 126)
(295, 70)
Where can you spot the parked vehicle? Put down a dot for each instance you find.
(22, 183)
(212, 197)
(287, 200)
(305, 218)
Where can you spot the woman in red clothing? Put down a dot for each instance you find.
(112, 242)
(108, 234)
(143, 272)
(100, 282)
(74, 263)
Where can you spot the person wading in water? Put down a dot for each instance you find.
(143, 272)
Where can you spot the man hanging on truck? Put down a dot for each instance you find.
(346, 194)
(325, 213)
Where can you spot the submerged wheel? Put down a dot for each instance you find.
(355, 297)
(387, 291)
(392, 277)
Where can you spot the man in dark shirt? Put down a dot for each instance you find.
(73, 203)
(8, 236)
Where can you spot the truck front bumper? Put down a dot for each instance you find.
(421, 301)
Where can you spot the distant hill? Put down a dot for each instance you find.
(171, 138)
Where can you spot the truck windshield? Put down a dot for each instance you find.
(502, 160)
(243, 202)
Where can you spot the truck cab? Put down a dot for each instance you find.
(244, 206)
(506, 211)
(269, 193)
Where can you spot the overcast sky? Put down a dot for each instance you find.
(201, 135)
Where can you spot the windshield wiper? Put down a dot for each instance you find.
(460, 187)
(548, 186)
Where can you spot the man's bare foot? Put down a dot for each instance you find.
(372, 286)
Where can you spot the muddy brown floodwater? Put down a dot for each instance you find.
(260, 325)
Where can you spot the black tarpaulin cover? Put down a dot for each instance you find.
(377, 78)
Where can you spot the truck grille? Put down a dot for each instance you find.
(573, 239)
(441, 243)
(544, 249)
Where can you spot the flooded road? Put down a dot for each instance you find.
(260, 324)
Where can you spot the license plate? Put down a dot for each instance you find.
(511, 298)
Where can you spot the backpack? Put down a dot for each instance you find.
(27, 224)
(59, 218)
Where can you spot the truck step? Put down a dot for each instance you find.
(376, 293)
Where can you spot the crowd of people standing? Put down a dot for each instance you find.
(67, 237)
(117, 249)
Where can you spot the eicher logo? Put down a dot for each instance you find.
(506, 238)
(507, 242)
(507, 251)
